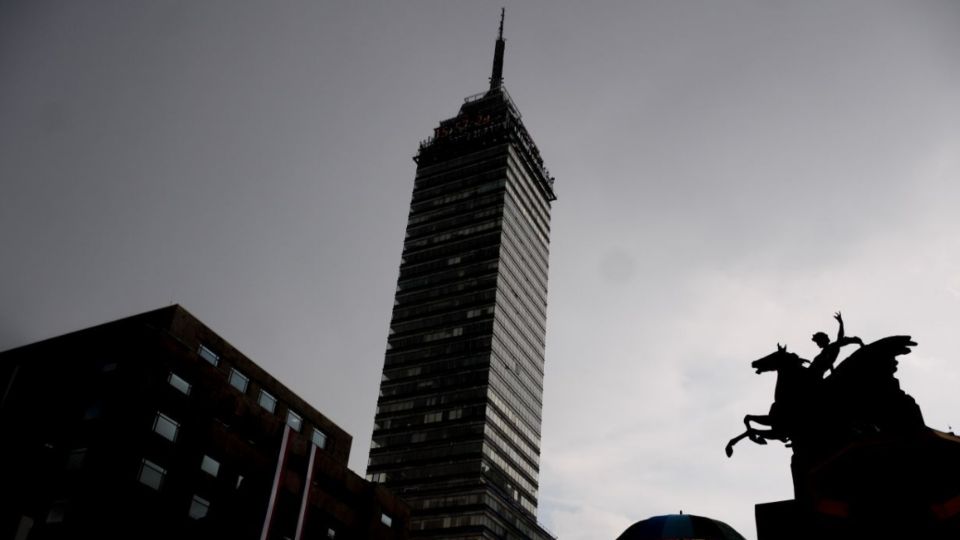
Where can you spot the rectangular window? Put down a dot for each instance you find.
(209, 355)
(319, 438)
(199, 507)
(294, 421)
(210, 466)
(238, 380)
(57, 511)
(75, 458)
(179, 383)
(151, 474)
(23, 528)
(386, 520)
(165, 426)
(267, 401)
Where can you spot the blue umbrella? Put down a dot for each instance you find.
(680, 527)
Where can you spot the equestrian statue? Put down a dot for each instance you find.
(818, 406)
(864, 464)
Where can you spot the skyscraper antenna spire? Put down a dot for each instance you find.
(496, 78)
(503, 12)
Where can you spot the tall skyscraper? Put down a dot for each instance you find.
(457, 431)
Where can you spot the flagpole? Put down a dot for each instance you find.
(281, 462)
(306, 493)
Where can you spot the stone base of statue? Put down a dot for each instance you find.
(903, 486)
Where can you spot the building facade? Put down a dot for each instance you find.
(155, 427)
(457, 429)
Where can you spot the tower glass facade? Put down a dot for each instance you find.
(457, 430)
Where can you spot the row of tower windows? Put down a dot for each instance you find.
(438, 434)
(455, 213)
(532, 254)
(513, 432)
(522, 399)
(458, 234)
(512, 353)
(511, 415)
(509, 312)
(485, 255)
(412, 326)
(460, 347)
(435, 367)
(443, 252)
(401, 457)
(471, 395)
(437, 278)
(461, 196)
(450, 289)
(534, 201)
(470, 165)
(507, 447)
(453, 223)
(501, 465)
(408, 421)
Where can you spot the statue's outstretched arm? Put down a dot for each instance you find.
(839, 319)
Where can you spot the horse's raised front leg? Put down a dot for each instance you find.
(735, 440)
(762, 419)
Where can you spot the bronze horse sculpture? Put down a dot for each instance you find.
(792, 384)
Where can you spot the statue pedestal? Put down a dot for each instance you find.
(905, 486)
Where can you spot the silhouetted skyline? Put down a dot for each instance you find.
(733, 173)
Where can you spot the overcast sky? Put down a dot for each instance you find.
(729, 174)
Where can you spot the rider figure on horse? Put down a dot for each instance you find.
(829, 352)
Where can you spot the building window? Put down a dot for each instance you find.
(210, 466)
(57, 512)
(199, 507)
(151, 474)
(319, 438)
(208, 355)
(294, 421)
(432, 417)
(23, 528)
(267, 401)
(75, 458)
(238, 380)
(386, 520)
(166, 427)
(179, 383)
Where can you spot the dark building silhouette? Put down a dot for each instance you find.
(155, 427)
(457, 430)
